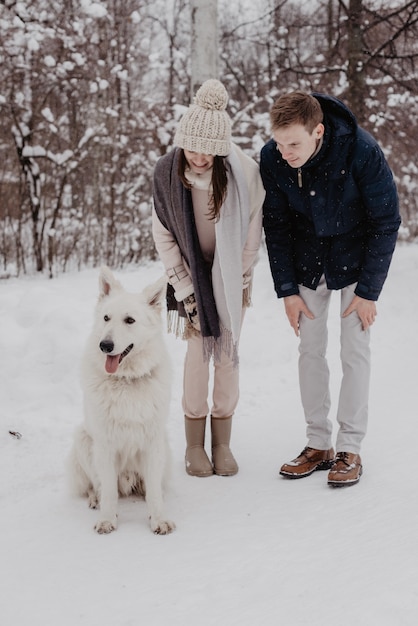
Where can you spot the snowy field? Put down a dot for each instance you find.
(249, 550)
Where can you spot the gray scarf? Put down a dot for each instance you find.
(218, 290)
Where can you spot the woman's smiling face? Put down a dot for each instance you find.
(199, 163)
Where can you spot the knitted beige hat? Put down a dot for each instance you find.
(206, 127)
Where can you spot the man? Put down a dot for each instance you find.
(331, 218)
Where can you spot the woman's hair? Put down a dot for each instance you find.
(219, 183)
(296, 107)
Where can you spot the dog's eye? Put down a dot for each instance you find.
(106, 318)
(129, 320)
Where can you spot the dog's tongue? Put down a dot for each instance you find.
(112, 363)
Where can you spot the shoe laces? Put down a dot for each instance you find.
(304, 451)
(342, 456)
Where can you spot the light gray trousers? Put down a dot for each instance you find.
(314, 375)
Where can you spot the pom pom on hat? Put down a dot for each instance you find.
(212, 95)
(206, 127)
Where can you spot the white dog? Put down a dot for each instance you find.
(121, 448)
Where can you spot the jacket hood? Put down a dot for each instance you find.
(337, 113)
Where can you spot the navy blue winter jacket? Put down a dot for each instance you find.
(342, 222)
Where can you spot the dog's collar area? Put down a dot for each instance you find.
(125, 352)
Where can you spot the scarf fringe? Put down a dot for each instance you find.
(181, 328)
(176, 324)
(213, 347)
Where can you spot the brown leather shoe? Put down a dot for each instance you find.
(308, 461)
(346, 471)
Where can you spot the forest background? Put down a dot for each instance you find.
(91, 91)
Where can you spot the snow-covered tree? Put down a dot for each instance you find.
(91, 92)
(204, 42)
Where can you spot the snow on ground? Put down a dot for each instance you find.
(250, 549)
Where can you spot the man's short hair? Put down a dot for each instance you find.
(296, 107)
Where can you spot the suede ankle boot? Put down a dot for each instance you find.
(224, 463)
(197, 461)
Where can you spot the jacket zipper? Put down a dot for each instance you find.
(299, 178)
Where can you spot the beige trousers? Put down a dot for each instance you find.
(225, 388)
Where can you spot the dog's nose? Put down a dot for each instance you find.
(107, 346)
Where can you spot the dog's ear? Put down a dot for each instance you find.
(107, 282)
(155, 293)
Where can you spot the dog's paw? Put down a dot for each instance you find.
(104, 527)
(162, 527)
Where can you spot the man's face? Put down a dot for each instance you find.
(198, 163)
(296, 144)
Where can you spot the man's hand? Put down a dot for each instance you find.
(365, 309)
(295, 306)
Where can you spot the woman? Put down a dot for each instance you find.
(207, 221)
